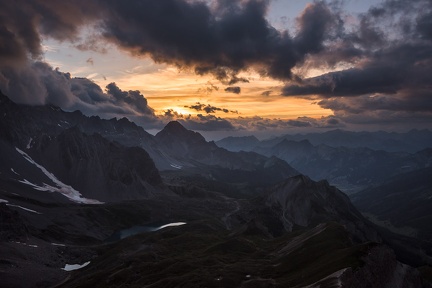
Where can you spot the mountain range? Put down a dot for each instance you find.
(411, 141)
(349, 168)
(126, 208)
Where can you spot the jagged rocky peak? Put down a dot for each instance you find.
(174, 131)
(174, 128)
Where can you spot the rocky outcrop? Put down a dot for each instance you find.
(303, 202)
(381, 269)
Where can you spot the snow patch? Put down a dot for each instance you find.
(72, 267)
(23, 208)
(30, 245)
(14, 171)
(176, 166)
(170, 225)
(62, 188)
(3, 201)
(57, 244)
(29, 143)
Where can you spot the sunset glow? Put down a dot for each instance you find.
(290, 65)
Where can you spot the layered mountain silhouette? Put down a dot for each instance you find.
(172, 210)
(411, 141)
(350, 169)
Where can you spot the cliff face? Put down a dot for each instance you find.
(303, 202)
(99, 169)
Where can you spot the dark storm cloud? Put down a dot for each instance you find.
(22, 23)
(406, 101)
(233, 89)
(113, 102)
(220, 39)
(388, 50)
(209, 108)
(223, 40)
(390, 68)
(132, 97)
(39, 83)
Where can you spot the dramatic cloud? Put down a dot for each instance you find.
(199, 122)
(233, 89)
(381, 59)
(39, 84)
(207, 123)
(390, 57)
(209, 108)
(22, 23)
(222, 39)
(266, 124)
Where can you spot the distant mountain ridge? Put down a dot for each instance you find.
(190, 149)
(350, 168)
(69, 144)
(236, 144)
(411, 141)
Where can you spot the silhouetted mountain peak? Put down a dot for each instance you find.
(175, 126)
(174, 131)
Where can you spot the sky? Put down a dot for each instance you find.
(224, 67)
